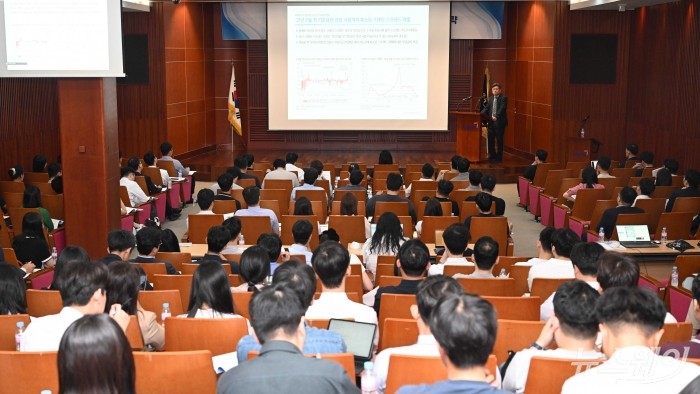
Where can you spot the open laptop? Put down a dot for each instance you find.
(358, 337)
(635, 236)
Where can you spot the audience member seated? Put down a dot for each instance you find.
(348, 207)
(210, 295)
(488, 184)
(475, 180)
(169, 241)
(544, 248)
(690, 188)
(272, 244)
(280, 172)
(217, 238)
(483, 202)
(584, 257)
(531, 170)
(255, 268)
(318, 166)
(465, 329)
(631, 324)
(430, 291)
(624, 206)
(630, 155)
(644, 190)
(32, 199)
(393, 185)
(54, 170)
(426, 174)
(39, 163)
(147, 245)
(290, 161)
(135, 164)
(69, 255)
(485, 257)
(332, 235)
(331, 262)
(456, 238)
(432, 208)
(226, 183)
(205, 201)
(301, 230)
(444, 188)
(670, 164)
(413, 263)
(30, 246)
(299, 282)
(573, 328)
(123, 289)
(664, 178)
(166, 149)
(95, 343)
(234, 228)
(120, 243)
(13, 300)
(16, 174)
(251, 195)
(352, 167)
(559, 266)
(646, 161)
(589, 180)
(689, 349)
(57, 184)
(150, 159)
(310, 177)
(454, 168)
(463, 168)
(386, 240)
(241, 163)
(355, 179)
(136, 194)
(83, 293)
(603, 168)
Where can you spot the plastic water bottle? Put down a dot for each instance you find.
(503, 273)
(369, 191)
(19, 333)
(583, 133)
(368, 381)
(674, 276)
(335, 185)
(241, 240)
(601, 235)
(664, 235)
(165, 313)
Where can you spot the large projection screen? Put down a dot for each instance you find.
(66, 38)
(371, 66)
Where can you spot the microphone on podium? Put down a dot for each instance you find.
(464, 100)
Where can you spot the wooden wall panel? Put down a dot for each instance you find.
(28, 122)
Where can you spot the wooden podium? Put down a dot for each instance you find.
(468, 132)
(581, 149)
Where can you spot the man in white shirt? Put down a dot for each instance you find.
(584, 257)
(485, 256)
(234, 173)
(205, 201)
(331, 261)
(310, 177)
(573, 327)
(166, 149)
(427, 172)
(82, 293)
(302, 230)
(251, 195)
(136, 194)
(456, 239)
(430, 291)
(291, 159)
(631, 323)
(280, 172)
(544, 248)
(559, 266)
(603, 168)
(644, 190)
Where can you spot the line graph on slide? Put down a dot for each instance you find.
(388, 81)
(324, 81)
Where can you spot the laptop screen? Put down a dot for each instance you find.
(631, 233)
(358, 336)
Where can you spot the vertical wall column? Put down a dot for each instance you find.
(89, 151)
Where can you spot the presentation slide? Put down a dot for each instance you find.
(61, 38)
(358, 67)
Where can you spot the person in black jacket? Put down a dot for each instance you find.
(624, 201)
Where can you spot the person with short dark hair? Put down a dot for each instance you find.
(454, 168)
(483, 202)
(603, 168)
(544, 248)
(465, 328)
(584, 257)
(430, 291)
(426, 174)
(488, 184)
(272, 244)
(531, 170)
(496, 110)
(147, 244)
(559, 266)
(39, 163)
(573, 327)
(136, 194)
(485, 257)
(54, 170)
(301, 280)
(444, 188)
(669, 164)
(251, 195)
(644, 190)
(166, 150)
(413, 263)
(624, 206)
(83, 293)
(310, 177)
(615, 270)
(120, 243)
(474, 180)
(456, 238)
(30, 247)
(95, 340)
(302, 230)
(290, 165)
(432, 208)
(234, 226)
(646, 161)
(631, 321)
(691, 180)
(348, 207)
(217, 239)
(631, 151)
(151, 161)
(280, 172)
(241, 163)
(69, 255)
(393, 185)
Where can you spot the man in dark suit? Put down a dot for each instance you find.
(691, 180)
(624, 201)
(120, 243)
(217, 238)
(147, 244)
(488, 183)
(413, 261)
(495, 110)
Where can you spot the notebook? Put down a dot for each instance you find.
(358, 337)
(635, 236)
